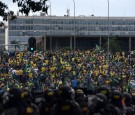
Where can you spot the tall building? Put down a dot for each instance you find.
(78, 32)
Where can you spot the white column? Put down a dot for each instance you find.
(6, 34)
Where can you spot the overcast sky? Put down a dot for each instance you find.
(87, 7)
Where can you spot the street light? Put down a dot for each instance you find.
(108, 36)
(50, 7)
(50, 26)
(108, 42)
(74, 27)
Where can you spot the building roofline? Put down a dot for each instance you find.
(77, 17)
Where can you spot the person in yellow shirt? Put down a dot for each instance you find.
(30, 75)
(21, 72)
(42, 69)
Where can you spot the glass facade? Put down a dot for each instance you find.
(22, 28)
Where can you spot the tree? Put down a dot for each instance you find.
(113, 45)
(15, 43)
(25, 6)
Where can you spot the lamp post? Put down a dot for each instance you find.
(50, 7)
(74, 27)
(108, 47)
(50, 26)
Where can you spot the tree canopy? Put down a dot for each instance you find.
(113, 44)
(25, 6)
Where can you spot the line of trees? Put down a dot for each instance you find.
(25, 6)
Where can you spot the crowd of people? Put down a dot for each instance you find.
(88, 82)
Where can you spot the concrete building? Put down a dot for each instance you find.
(66, 31)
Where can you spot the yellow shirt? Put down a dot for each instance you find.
(42, 69)
(21, 72)
(30, 75)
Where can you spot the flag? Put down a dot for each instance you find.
(97, 47)
(7, 86)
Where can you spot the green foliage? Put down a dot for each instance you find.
(3, 7)
(4, 14)
(113, 45)
(31, 5)
(133, 54)
(25, 6)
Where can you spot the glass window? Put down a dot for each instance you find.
(97, 22)
(119, 22)
(130, 22)
(115, 22)
(10, 33)
(106, 22)
(126, 28)
(21, 28)
(17, 27)
(123, 22)
(27, 21)
(119, 28)
(92, 22)
(72, 21)
(85, 22)
(131, 28)
(61, 21)
(39, 21)
(79, 21)
(127, 22)
(10, 27)
(44, 21)
(97, 28)
(134, 22)
(112, 22)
